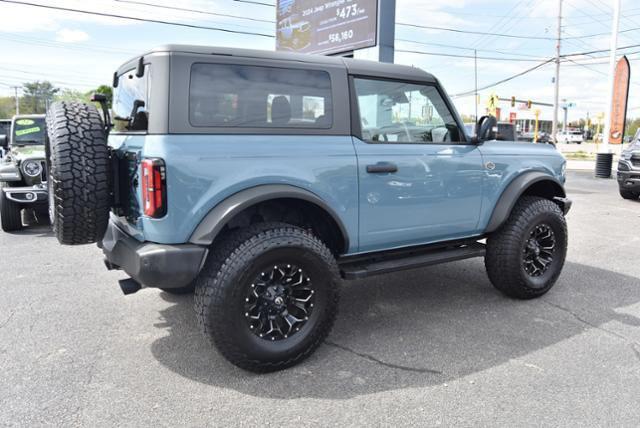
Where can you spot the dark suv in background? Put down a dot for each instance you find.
(629, 170)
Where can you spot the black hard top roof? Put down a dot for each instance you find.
(353, 66)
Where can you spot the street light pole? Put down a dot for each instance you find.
(556, 97)
(604, 147)
(475, 73)
(15, 88)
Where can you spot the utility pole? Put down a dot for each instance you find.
(554, 130)
(15, 88)
(475, 61)
(604, 148)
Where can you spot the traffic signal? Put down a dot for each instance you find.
(529, 104)
(513, 101)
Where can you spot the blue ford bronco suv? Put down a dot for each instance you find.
(261, 180)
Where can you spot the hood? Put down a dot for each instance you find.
(21, 153)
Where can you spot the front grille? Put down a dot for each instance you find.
(635, 162)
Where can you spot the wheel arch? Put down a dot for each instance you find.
(239, 207)
(532, 183)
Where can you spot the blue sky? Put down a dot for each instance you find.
(82, 51)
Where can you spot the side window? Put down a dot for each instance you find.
(129, 90)
(227, 95)
(402, 112)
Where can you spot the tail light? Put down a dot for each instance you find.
(154, 188)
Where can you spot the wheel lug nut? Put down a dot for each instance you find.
(246, 314)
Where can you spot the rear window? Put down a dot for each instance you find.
(222, 95)
(131, 88)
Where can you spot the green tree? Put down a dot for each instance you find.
(37, 96)
(67, 94)
(106, 90)
(7, 107)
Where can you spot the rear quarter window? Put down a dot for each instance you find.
(226, 95)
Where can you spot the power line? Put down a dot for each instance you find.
(255, 2)
(204, 12)
(466, 56)
(499, 82)
(442, 45)
(456, 30)
(133, 18)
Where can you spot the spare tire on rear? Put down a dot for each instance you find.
(79, 173)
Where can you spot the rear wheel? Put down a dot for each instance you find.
(525, 257)
(10, 212)
(268, 296)
(628, 194)
(79, 174)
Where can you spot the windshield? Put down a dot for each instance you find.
(28, 131)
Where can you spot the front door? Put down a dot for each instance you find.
(420, 182)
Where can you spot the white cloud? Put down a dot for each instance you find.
(67, 35)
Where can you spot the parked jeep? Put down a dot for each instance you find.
(629, 170)
(261, 179)
(23, 172)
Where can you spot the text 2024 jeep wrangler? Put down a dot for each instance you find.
(259, 179)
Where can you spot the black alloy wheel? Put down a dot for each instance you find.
(279, 302)
(539, 250)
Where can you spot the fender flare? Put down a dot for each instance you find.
(514, 190)
(221, 214)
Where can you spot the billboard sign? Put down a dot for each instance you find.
(325, 27)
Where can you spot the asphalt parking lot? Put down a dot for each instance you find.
(436, 346)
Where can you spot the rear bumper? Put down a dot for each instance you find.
(150, 264)
(27, 194)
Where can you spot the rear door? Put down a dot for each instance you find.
(420, 181)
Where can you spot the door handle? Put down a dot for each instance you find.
(382, 167)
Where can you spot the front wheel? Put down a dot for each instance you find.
(628, 194)
(268, 296)
(525, 257)
(10, 212)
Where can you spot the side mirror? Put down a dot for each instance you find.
(485, 129)
(4, 141)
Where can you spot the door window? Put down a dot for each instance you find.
(402, 112)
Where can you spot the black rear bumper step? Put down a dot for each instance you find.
(359, 269)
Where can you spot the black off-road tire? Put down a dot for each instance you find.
(230, 269)
(10, 212)
(628, 194)
(79, 173)
(504, 260)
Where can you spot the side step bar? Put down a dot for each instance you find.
(362, 268)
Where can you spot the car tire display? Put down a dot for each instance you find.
(628, 194)
(10, 212)
(526, 255)
(268, 296)
(79, 174)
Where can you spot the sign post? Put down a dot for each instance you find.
(535, 132)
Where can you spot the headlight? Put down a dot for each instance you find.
(32, 168)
